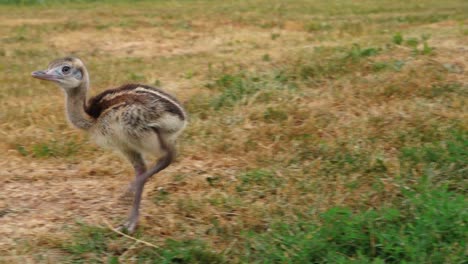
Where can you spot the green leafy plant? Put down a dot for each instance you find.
(397, 38)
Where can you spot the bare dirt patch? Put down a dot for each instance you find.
(28, 21)
(152, 42)
(47, 201)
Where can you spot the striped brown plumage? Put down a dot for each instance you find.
(127, 94)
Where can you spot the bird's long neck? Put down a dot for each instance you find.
(76, 103)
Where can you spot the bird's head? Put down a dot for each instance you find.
(68, 73)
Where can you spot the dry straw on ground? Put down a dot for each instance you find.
(51, 177)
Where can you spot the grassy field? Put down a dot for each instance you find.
(320, 132)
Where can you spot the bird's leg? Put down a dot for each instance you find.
(139, 166)
(140, 181)
(139, 171)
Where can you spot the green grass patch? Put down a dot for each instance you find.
(444, 161)
(317, 26)
(185, 252)
(356, 52)
(430, 227)
(234, 88)
(444, 89)
(332, 63)
(52, 148)
(238, 88)
(397, 38)
(258, 182)
(92, 244)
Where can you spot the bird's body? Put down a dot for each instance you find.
(134, 119)
(126, 118)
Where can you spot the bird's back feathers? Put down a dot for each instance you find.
(131, 94)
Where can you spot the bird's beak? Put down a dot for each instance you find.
(43, 75)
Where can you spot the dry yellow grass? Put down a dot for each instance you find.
(51, 176)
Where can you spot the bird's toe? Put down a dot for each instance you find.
(128, 227)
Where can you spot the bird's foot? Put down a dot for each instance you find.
(128, 227)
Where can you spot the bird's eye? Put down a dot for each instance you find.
(65, 69)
